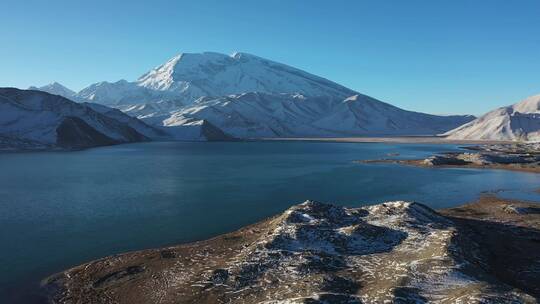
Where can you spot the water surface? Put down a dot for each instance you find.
(61, 209)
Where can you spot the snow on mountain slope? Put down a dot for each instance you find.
(252, 115)
(256, 114)
(528, 105)
(118, 93)
(138, 125)
(40, 117)
(191, 129)
(56, 89)
(152, 113)
(186, 77)
(520, 121)
(214, 74)
(360, 114)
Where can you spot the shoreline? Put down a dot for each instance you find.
(381, 139)
(391, 139)
(514, 157)
(420, 163)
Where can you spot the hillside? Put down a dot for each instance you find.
(519, 122)
(35, 119)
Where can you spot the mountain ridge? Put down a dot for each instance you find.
(255, 115)
(518, 122)
(56, 89)
(48, 120)
(266, 98)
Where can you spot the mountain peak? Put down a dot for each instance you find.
(528, 105)
(55, 88)
(193, 75)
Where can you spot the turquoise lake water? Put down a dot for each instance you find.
(60, 209)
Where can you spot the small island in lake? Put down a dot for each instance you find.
(517, 156)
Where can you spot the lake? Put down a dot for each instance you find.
(59, 209)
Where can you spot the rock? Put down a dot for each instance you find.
(513, 209)
(219, 276)
(439, 160)
(395, 252)
(516, 157)
(167, 254)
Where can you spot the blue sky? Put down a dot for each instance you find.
(430, 56)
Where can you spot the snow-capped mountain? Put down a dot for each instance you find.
(192, 130)
(252, 115)
(188, 76)
(520, 121)
(46, 120)
(214, 74)
(249, 96)
(56, 89)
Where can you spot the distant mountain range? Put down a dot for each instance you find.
(256, 115)
(520, 121)
(36, 120)
(56, 89)
(247, 96)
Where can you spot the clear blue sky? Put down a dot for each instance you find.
(431, 56)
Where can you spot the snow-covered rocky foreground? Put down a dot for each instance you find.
(246, 96)
(520, 121)
(395, 252)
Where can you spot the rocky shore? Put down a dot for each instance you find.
(518, 157)
(395, 252)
